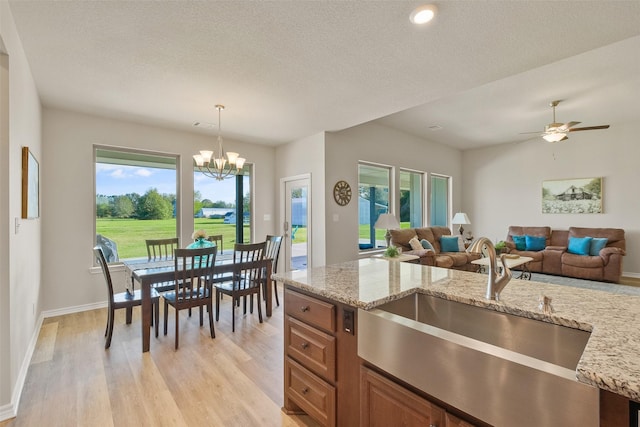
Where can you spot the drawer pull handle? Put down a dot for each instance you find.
(304, 345)
(304, 308)
(305, 390)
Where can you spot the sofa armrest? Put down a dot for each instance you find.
(606, 253)
(427, 256)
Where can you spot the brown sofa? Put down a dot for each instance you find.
(555, 259)
(456, 260)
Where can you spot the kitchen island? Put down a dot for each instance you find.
(609, 362)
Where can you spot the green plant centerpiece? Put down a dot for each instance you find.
(391, 252)
(501, 246)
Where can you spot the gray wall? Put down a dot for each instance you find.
(503, 184)
(20, 261)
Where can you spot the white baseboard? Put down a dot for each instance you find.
(11, 410)
(629, 274)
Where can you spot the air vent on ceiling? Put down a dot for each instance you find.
(435, 127)
(204, 125)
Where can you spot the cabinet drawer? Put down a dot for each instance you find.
(310, 310)
(314, 349)
(314, 396)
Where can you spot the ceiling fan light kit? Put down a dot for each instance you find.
(556, 132)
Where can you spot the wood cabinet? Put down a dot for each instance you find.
(384, 403)
(453, 421)
(321, 361)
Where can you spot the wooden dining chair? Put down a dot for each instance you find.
(126, 300)
(246, 280)
(194, 269)
(217, 239)
(161, 250)
(272, 251)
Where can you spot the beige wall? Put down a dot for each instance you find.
(379, 144)
(68, 198)
(503, 184)
(20, 273)
(305, 156)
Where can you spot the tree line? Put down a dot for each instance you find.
(150, 205)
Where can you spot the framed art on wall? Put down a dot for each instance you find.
(572, 196)
(30, 185)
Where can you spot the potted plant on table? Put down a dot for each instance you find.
(391, 252)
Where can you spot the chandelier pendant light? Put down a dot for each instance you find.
(219, 164)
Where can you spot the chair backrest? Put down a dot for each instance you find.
(161, 249)
(273, 250)
(194, 269)
(217, 239)
(97, 251)
(248, 266)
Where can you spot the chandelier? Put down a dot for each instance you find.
(220, 164)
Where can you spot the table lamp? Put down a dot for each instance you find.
(389, 222)
(461, 219)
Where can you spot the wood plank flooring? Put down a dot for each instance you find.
(235, 379)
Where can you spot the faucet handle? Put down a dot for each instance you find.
(545, 304)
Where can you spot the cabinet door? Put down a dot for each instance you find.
(453, 421)
(384, 403)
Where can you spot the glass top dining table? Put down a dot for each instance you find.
(147, 273)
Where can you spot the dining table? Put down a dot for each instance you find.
(147, 273)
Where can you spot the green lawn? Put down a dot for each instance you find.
(130, 234)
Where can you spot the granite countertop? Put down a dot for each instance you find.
(611, 359)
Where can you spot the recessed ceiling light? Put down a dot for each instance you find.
(423, 14)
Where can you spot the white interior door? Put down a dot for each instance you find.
(297, 222)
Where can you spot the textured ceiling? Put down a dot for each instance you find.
(484, 71)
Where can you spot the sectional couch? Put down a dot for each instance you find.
(458, 259)
(571, 252)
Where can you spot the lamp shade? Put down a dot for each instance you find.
(460, 218)
(387, 221)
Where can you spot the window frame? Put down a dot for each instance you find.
(391, 197)
(423, 195)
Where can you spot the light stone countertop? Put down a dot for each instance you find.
(611, 359)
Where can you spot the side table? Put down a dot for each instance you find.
(399, 258)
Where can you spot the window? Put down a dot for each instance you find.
(439, 201)
(136, 199)
(214, 207)
(373, 200)
(411, 199)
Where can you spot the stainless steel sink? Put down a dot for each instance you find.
(503, 369)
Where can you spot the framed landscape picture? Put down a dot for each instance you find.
(572, 196)
(30, 185)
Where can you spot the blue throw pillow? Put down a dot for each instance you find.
(449, 244)
(520, 241)
(426, 244)
(579, 245)
(535, 243)
(597, 243)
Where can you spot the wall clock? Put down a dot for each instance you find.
(342, 193)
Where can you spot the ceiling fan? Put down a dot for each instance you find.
(556, 132)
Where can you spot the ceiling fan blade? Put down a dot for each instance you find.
(565, 127)
(590, 128)
(530, 133)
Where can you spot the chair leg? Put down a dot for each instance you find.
(166, 315)
(109, 328)
(218, 298)
(233, 313)
(259, 305)
(156, 309)
(210, 310)
(201, 314)
(177, 329)
(129, 311)
(275, 292)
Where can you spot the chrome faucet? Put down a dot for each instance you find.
(496, 282)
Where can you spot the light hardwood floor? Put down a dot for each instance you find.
(235, 379)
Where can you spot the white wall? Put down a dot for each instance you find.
(306, 156)
(20, 254)
(380, 144)
(503, 184)
(68, 194)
